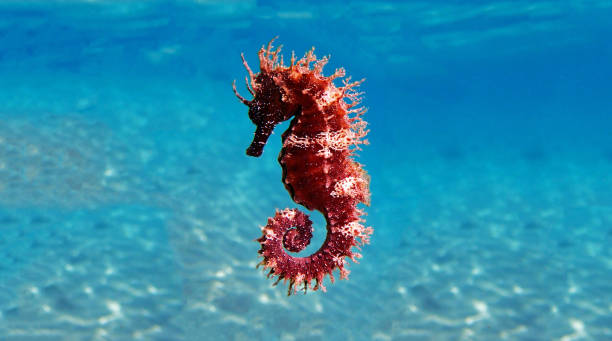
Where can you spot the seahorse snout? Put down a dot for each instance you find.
(262, 133)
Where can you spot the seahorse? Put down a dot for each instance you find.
(317, 162)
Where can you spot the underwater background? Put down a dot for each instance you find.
(129, 210)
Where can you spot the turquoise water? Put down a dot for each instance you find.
(128, 208)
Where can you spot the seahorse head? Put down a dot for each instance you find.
(266, 110)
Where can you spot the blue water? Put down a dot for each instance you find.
(128, 207)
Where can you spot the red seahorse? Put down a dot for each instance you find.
(316, 158)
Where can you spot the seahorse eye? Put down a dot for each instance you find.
(257, 113)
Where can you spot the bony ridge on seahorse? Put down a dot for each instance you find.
(317, 161)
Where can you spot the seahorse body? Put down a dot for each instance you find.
(318, 169)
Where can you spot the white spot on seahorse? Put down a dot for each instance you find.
(289, 214)
(348, 187)
(325, 152)
(329, 96)
(270, 235)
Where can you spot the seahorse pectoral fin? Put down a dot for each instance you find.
(262, 133)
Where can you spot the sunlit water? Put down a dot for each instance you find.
(128, 208)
